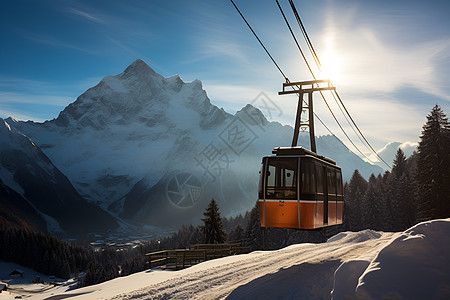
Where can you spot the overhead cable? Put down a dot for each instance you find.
(312, 73)
(316, 58)
(305, 34)
(261, 43)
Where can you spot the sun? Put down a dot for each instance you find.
(331, 66)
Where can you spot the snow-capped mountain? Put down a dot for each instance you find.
(389, 151)
(155, 150)
(25, 169)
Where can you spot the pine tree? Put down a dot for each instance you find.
(404, 202)
(213, 231)
(399, 165)
(401, 193)
(433, 167)
(196, 235)
(369, 205)
(353, 197)
(386, 207)
(253, 231)
(236, 234)
(384, 217)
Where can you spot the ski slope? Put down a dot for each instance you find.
(414, 264)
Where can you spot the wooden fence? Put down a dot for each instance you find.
(183, 258)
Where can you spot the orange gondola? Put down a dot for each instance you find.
(298, 188)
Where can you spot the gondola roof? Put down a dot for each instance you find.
(289, 151)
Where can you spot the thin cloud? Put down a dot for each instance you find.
(127, 49)
(371, 63)
(10, 82)
(138, 55)
(224, 48)
(230, 97)
(380, 119)
(15, 98)
(22, 89)
(115, 24)
(86, 15)
(215, 36)
(52, 41)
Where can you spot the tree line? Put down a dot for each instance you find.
(50, 255)
(416, 189)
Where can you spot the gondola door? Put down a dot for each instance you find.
(326, 179)
(320, 194)
(278, 201)
(331, 198)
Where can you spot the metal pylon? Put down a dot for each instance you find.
(301, 88)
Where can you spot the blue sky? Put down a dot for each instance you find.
(390, 60)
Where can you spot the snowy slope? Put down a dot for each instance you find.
(414, 265)
(20, 286)
(16, 210)
(28, 171)
(370, 265)
(155, 150)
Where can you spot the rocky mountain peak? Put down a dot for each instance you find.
(139, 94)
(252, 115)
(139, 67)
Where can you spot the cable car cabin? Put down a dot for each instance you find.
(300, 189)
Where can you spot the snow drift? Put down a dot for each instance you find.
(414, 265)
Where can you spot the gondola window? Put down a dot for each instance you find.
(282, 179)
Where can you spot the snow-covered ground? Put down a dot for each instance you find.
(22, 287)
(414, 264)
